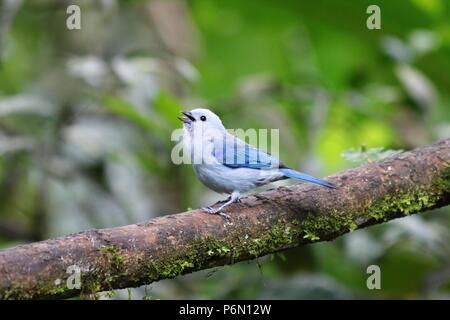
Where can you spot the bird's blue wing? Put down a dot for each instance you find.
(234, 153)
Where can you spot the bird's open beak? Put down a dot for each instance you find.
(188, 119)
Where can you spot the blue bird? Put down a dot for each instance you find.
(226, 164)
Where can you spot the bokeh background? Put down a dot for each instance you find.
(86, 118)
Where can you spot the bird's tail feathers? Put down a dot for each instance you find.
(290, 173)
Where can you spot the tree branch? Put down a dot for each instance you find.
(263, 223)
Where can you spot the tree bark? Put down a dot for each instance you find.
(263, 223)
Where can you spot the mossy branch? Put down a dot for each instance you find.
(286, 217)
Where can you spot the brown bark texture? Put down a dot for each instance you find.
(263, 223)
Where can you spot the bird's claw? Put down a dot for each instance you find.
(211, 210)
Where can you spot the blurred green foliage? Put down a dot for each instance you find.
(86, 118)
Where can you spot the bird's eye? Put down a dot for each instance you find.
(203, 118)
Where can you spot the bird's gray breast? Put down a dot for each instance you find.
(223, 179)
(214, 177)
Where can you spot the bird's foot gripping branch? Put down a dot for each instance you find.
(165, 247)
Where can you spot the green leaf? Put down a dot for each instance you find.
(168, 107)
(364, 154)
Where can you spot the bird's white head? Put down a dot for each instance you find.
(203, 130)
(202, 120)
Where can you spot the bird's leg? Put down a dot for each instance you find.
(233, 198)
